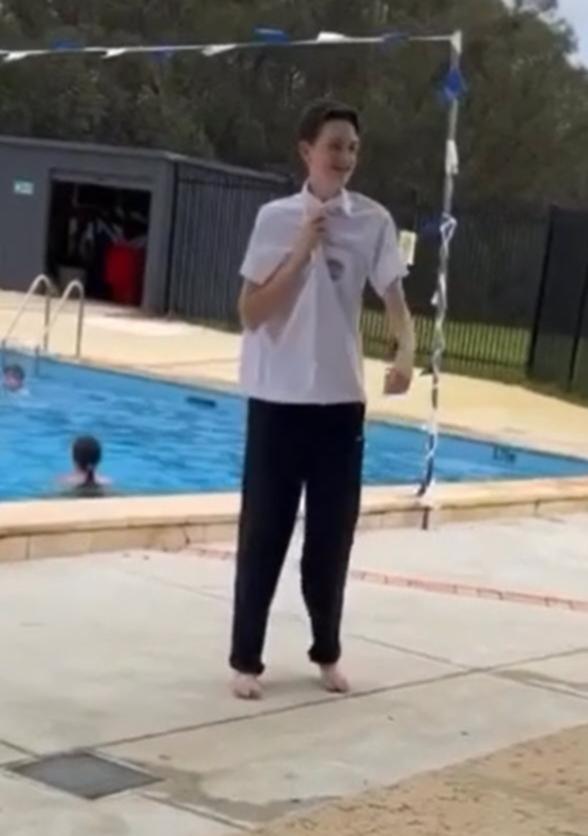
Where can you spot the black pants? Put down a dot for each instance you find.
(291, 448)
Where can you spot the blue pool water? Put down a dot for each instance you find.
(164, 438)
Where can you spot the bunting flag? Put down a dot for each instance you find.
(454, 85)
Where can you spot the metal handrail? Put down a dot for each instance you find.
(73, 287)
(50, 292)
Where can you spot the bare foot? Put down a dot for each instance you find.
(334, 680)
(246, 687)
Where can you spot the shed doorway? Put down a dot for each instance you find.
(99, 234)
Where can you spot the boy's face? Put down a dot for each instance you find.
(332, 158)
(12, 382)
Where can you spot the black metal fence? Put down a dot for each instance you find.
(559, 349)
(213, 217)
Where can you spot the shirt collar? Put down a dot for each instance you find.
(341, 202)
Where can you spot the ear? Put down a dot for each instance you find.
(304, 150)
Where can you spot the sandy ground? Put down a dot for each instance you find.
(536, 789)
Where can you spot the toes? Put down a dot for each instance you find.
(246, 688)
(334, 681)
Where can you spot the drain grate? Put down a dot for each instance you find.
(84, 774)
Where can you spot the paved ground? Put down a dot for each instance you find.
(115, 336)
(125, 656)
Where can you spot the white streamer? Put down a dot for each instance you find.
(13, 57)
(114, 53)
(218, 49)
(457, 42)
(452, 158)
(331, 38)
(447, 230)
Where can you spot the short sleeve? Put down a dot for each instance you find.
(389, 265)
(266, 251)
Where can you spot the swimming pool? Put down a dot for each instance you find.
(165, 438)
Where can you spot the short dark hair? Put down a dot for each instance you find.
(319, 113)
(87, 454)
(16, 371)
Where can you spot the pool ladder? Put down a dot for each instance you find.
(43, 282)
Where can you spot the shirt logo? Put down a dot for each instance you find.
(336, 269)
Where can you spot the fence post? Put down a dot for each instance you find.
(541, 293)
(582, 309)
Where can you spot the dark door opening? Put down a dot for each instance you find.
(99, 234)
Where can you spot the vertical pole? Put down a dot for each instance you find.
(441, 297)
(535, 333)
(48, 294)
(80, 325)
(578, 336)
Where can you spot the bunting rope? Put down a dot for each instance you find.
(452, 89)
(263, 39)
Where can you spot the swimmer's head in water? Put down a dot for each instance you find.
(87, 454)
(13, 377)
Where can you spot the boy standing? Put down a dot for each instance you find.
(305, 271)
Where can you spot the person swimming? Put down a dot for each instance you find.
(84, 482)
(13, 378)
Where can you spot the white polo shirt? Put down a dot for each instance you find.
(313, 354)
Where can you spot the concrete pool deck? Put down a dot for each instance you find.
(116, 338)
(468, 716)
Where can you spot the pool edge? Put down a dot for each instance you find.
(62, 528)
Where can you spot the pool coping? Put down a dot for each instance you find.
(60, 528)
(65, 527)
